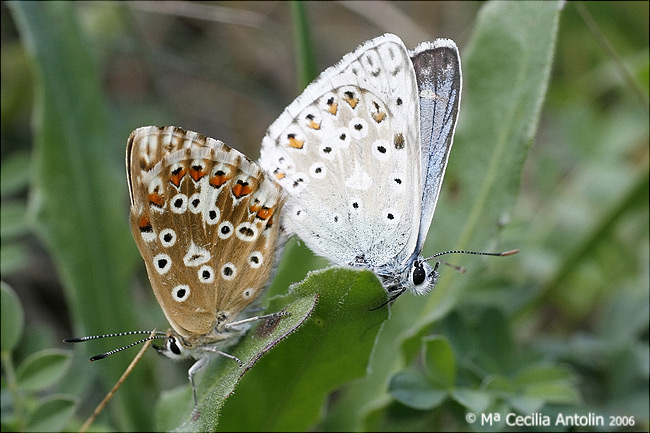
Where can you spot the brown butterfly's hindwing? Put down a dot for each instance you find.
(202, 216)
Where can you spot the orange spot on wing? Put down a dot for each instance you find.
(265, 213)
(333, 108)
(219, 179)
(241, 189)
(313, 125)
(379, 116)
(295, 143)
(156, 199)
(197, 172)
(144, 224)
(177, 176)
(350, 99)
(279, 175)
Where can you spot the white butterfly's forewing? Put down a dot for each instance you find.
(347, 152)
(438, 72)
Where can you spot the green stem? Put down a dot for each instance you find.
(305, 53)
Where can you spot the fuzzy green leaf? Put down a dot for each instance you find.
(43, 369)
(52, 414)
(414, 390)
(440, 361)
(288, 386)
(476, 401)
(223, 376)
(13, 318)
(79, 192)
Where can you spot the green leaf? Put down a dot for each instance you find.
(500, 385)
(13, 221)
(14, 175)
(13, 318)
(525, 404)
(52, 414)
(79, 194)
(43, 369)
(506, 67)
(554, 392)
(553, 384)
(440, 362)
(543, 373)
(414, 390)
(288, 386)
(473, 400)
(173, 406)
(13, 257)
(222, 377)
(495, 341)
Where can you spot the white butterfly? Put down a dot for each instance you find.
(362, 154)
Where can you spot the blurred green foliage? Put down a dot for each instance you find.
(560, 328)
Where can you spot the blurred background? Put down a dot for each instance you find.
(228, 69)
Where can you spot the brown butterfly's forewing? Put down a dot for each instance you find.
(202, 215)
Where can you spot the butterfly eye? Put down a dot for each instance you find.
(173, 347)
(419, 274)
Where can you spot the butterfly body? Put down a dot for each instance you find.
(362, 152)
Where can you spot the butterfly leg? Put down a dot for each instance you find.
(190, 375)
(225, 355)
(394, 294)
(199, 365)
(255, 318)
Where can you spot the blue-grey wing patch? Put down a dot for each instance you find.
(438, 73)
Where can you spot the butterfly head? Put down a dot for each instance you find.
(174, 347)
(422, 277)
(419, 278)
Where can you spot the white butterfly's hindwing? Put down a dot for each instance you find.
(347, 153)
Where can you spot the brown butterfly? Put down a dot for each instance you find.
(202, 215)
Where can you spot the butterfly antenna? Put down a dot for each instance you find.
(154, 335)
(477, 253)
(129, 369)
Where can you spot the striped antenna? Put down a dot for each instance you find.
(153, 335)
(477, 253)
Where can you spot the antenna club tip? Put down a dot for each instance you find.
(98, 357)
(461, 270)
(509, 253)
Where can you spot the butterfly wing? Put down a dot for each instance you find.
(347, 153)
(202, 217)
(438, 72)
